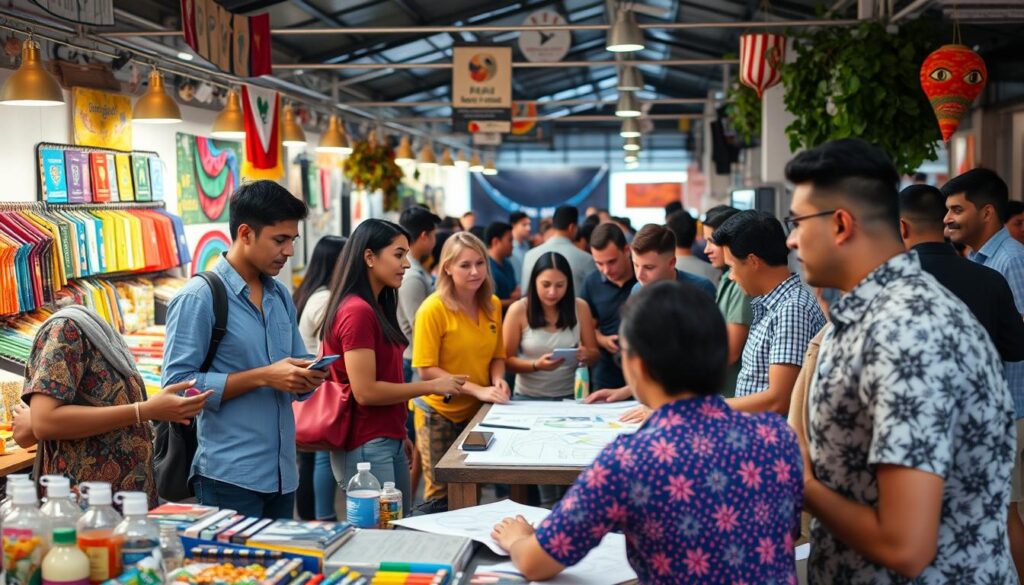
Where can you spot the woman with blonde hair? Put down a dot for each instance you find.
(457, 332)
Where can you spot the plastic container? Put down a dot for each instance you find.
(363, 498)
(140, 536)
(390, 504)
(8, 502)
(581, 383)
(65, 564)
(171, 549)
(60, 510)
(96, 535)
(26, 537)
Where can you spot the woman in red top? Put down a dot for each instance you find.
(361, 325)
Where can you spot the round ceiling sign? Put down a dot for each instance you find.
(545, 46)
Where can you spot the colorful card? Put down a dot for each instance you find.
(115, 194)
(100, 177)
(140, 177)
(124, 177)
(156, 178)
(52, 175)
(77, 168)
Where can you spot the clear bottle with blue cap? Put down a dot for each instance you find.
(59, 508)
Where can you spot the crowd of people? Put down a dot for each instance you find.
(896, 359)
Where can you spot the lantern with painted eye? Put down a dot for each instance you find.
(952, 77)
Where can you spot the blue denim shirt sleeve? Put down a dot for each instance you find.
(189, 326)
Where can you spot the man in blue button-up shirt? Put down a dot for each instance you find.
(246, 455)
(977, 208)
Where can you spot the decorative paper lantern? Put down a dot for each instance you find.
(952, 77)
(761, 57)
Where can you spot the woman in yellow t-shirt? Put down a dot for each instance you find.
(457, 332)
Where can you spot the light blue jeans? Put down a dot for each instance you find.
(388, 462)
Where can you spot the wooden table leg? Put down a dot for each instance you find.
(520, 493)
(462, 495)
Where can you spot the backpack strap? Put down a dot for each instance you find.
(220, 316)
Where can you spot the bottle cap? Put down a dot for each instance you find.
(18, 477)
(133, 503)
(57, 486)
(389, 485)
(64, 536)
(97, 492)
(24, 494)
(363, 466)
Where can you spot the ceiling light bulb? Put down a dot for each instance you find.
(632, 144)
(403, 154)
(31, 84)
(489, 168)
(630, 79)
(628, 106)
(624, 36)
(630, 128)
(475, 166)
(334, 139)
(230, 122)
(293, 133)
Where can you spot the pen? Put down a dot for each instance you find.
(494, 426)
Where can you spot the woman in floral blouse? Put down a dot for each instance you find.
(702, 493)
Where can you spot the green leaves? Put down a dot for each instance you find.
(868, 80)
(744, 110)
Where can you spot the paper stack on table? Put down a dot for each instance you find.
(550, 434)
(604, 565)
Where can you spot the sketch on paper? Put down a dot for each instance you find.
(475, 523)
(565, 448)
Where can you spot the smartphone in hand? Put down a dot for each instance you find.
(322, 362)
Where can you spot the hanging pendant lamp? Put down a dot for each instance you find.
(155, 106)
(334, 139)
(489, 168)
(624, 36)
(630, 79)
(475, 166)
(427, 158)
(293, 134)
(630, 128)
(628, 106)
(403, 154)
(230, 122)
(31, 84)
(461, 162)
(446, 159)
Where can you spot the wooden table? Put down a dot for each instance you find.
(16, 461)
(464, 480)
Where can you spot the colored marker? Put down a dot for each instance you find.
(336, 576)
(494, 426)
(431, 568)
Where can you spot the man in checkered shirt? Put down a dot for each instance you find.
(786, 315)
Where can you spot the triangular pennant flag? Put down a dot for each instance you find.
(240, 50)
(262, 108)
(224, 20)
(259, 45)
(202, 28)
(188, 22)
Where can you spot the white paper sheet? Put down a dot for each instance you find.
(475, 522)
(606, 564)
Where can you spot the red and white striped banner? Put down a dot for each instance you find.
(761, 57)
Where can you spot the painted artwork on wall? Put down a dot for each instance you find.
(208, 172)
(102, 119)
(208, 250)
(653, 194)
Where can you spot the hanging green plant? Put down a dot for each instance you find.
(863, 82)
(372, 166)
(744, 111)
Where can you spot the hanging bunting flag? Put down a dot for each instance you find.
(188, 22)
(262, 109)
(761, 58)
(952, 77)
(224, 20)
(202, 47)
(259, 45)
(240, 50)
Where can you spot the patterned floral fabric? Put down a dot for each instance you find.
(66, 366)
(704, 494)
(908, 377)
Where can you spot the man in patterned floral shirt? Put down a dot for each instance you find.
(911, 434)
(703, 493)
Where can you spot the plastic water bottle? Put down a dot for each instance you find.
(171, 549)
(140, 535)
(581, 382)
(363, 498)
(96, 535)
(390, 504)
(12, 480)
(25, 536)
(60, 509)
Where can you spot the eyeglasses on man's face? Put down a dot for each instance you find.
(792, 222)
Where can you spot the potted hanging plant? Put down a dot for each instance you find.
(863, 82)
(371, 167)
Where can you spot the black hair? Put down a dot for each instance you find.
(717, 215)
(318, 270)
(351, 277)
(1014, 207)
(754, 232)
(981, 187)
(688, 349)
(516, 217)
(565, 216)
(442, 237)
(450, 224)
(625, 222)
(682, 224)
(498, 230)
(923, 205)
(672, 207)
(417, 221)
(478, 231)
(607, 234)
(566, 306)
(587, 229)
(258, 204)
(855, 171)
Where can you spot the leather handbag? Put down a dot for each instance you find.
(322, 422)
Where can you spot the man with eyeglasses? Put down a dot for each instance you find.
(911, 433)
(786, 314)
